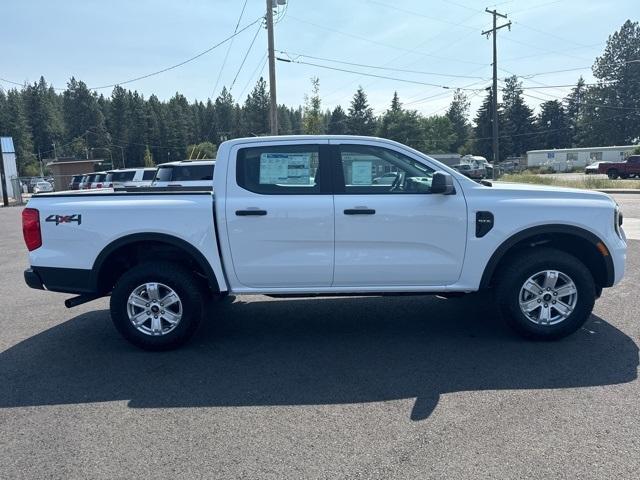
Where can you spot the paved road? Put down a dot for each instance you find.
(405, 387)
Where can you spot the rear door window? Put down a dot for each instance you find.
(148, 174)
(123, 176)
(281, 170)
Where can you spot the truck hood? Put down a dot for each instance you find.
(522, 190)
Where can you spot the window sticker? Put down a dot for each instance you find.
(361, 172)
(285, 168)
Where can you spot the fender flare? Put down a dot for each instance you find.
(187, 247)
(505, 246)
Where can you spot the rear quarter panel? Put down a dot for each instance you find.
(107, 218)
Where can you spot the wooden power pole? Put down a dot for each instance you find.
(273, 112)
(494, 90)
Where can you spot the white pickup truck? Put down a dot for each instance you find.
(303, 215)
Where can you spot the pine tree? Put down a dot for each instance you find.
(337, 122)
(361, 120)
(42, 109)
(119, 122)
(17, 127)
(401, 125)
(553, 126)
(225, 115)
(256, 110)
(573, 110)
(618, 94)
(519, 123)
(457, 113)
(312, 120)
(148, 158)
(483, 130)
(438, 136)
(83, 119)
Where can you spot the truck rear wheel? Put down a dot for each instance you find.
(612, 173)
(546, 294)
(157, 306)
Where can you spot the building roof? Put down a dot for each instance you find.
(585, 149)
(53, 163)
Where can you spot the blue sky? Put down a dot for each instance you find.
(103, 43)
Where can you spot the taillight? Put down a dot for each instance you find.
(31, 228)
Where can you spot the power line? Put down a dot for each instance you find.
(204, 52)
(374, 42)
(226, 55)
(421, 72)
(244, 59)
(259, 68)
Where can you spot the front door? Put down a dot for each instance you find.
(389, 229)
(279, 211)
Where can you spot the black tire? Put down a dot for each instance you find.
(612, 173)
(514, 275)
(624, 176)
(172, 275)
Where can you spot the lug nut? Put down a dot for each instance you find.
(162, 311)
(554, 302)
(546, 305)
(539, 301)
(148, 312)
(555, 294)
(155, 316)
(162, 304)
(147, 304)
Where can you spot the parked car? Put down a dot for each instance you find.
(386, 179)
(267, 228)
(592, 169)
(99, 180)
(185, 173)
(629, 168)
(42, 187)
(130, 177)
(468, 171)
(32, 183)
(74, 184)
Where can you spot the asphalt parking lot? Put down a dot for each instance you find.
(394, 387)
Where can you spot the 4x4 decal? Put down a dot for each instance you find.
(58, 219)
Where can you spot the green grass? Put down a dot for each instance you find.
(590, 183)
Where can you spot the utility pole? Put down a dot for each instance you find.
(3, 181)
(494, 90)
(273, 112)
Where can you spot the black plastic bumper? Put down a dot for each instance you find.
(32, 279)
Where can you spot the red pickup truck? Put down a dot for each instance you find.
(629, 168)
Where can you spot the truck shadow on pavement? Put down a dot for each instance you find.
(312, 352)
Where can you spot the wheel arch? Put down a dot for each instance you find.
(124, 246)
(584, 244)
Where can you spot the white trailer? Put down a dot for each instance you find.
(562, 159)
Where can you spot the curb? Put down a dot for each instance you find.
(620, 190)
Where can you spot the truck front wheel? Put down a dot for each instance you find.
(545, 294)
(157, 306)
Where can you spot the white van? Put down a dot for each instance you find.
(186, 173)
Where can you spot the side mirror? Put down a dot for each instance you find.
(442, 183)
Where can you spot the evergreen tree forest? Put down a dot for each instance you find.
(126, 127)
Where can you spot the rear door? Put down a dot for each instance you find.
(396, 234)
(279, 214)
